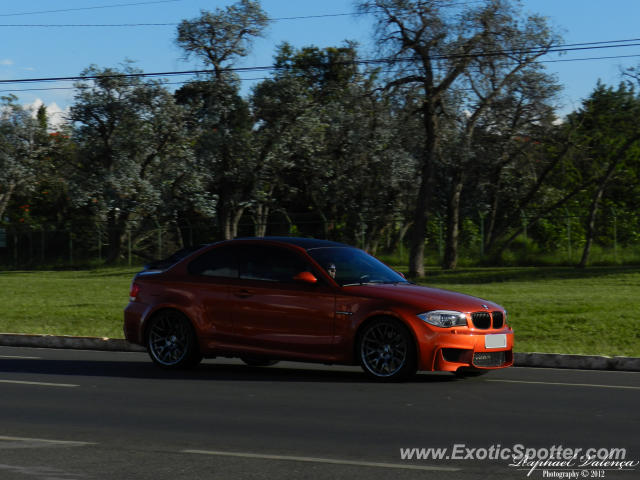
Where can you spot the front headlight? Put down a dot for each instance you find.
(444, 318)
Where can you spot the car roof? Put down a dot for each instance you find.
(306, 243)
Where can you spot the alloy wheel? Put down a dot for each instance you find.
(170, 340)
(386, 350)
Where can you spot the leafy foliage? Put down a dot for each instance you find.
(448, 145)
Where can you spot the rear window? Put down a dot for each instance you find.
(250, 262)
(270, 264)
(218, 262)
(165, 263)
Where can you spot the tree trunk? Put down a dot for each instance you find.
(593, 211)
(591, 226)
(450, 261)
(421, 212)
(226, 223)
(236, 221)
(489, 236)
(397, 237)
(230, 218)
(5, 198)
(260, 218)
(116, 229)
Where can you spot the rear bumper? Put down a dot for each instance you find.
(134, 315)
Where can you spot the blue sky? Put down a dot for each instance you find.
(37, 52)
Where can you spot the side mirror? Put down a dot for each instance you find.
(306, 277)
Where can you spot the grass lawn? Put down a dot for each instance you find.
(560, 310)
(84, 303)
(595, 311)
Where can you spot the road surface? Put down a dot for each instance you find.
(75, 415)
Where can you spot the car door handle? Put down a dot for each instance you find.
(243, 293)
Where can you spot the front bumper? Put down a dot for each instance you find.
(450, 350)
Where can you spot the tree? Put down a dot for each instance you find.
(432, 45)
(328, 134)
(609, 140)
(496, 85)
(219, 38)
(19, 151)
(223, 128)
(127, 129)
(279, 107)
(292, 119)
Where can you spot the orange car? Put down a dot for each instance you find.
(277, 298)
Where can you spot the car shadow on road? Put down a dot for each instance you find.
(221, 370)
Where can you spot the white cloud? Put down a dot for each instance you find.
(6, 62)
(34, 106)
(56, 115)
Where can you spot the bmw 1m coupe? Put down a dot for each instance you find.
(280, 298)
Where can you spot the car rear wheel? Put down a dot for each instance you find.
(387, 351)
(171, 341)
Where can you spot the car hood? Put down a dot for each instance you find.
(423, 298)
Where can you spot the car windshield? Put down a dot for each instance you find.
(351, 266)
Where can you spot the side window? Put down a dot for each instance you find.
(270, 264)
(218, 262)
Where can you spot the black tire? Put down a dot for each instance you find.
(387, 351)
(171, 341)
(259, 361)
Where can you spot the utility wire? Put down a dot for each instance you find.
(567, 48)
(86, 25)
(97, 7)
(152, 2)
(43, 89)
(169, 24)
(173, 24)
(193, 72)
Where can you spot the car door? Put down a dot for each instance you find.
(275, 314)
(210, 275)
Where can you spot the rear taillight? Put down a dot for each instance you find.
(133, 293)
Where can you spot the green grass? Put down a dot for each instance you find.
(84, 303)
(594, 311)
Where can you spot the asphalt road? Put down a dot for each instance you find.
(68, 415)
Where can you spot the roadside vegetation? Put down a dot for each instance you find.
(451, 138)
(449, 150)
(79, 303)
(560, 310)
(553, 310)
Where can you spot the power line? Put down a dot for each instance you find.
(43, 89)
(134, 75)
(613, 57)
(152, 2)
(87, 25)
(97, 7)
(169, 24)
(557, 49)
(195, 72)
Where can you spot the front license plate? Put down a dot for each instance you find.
(495, 341)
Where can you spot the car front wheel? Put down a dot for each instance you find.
(171, 341)
(387, 351)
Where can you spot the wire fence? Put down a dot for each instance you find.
(24, 246)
